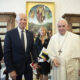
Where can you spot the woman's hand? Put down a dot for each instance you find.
(45, 59)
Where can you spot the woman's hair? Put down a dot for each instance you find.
(40, 29)
(43, 28)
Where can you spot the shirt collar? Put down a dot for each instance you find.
(19, 29)
(63, 35)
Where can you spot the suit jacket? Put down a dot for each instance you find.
(15, 56)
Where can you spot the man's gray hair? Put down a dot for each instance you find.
(18, 16)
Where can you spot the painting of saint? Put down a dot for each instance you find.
(40, 15)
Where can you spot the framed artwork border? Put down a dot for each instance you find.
(50, 4)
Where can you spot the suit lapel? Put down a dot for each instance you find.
(19, 40)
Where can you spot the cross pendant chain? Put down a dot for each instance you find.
(60, 51)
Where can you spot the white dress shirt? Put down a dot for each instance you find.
(25, 38)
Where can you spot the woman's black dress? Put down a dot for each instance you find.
(45, 66)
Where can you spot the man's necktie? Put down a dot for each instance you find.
(22, 39)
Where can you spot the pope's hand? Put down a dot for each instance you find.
(56, 62)
(35, 66)
(13, 75)
(79, 72)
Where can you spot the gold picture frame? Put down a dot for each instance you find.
(40, 14)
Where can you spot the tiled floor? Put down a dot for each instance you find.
(2, 76)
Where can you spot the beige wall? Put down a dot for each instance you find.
(61, 6)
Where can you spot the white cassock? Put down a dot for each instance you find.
(69, 44)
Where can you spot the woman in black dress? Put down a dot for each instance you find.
(42, 41)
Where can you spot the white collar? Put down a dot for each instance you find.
(19, 29)
(63, 35)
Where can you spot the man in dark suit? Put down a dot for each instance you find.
(18, 48)
(1, 53)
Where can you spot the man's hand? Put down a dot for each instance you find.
(35, 66)
(13, 75)
(56, 62)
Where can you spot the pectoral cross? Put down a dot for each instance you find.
(60, 51)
